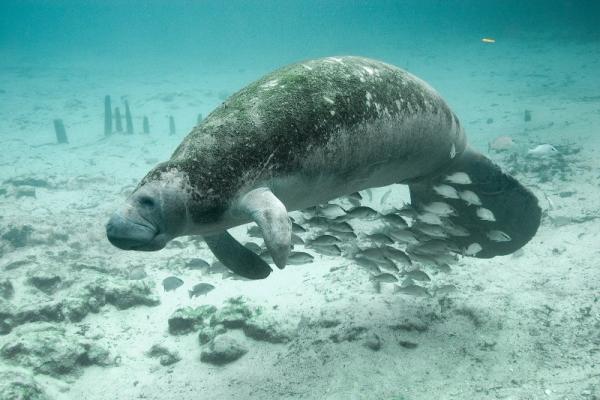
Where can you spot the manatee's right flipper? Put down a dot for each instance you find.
(514, 207)
(236, 257)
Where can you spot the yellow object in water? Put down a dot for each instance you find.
(488, 40)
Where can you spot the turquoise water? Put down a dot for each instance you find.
(348, 318)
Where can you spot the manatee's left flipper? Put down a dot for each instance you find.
(236, 257)
(270, 214)
(514, 207)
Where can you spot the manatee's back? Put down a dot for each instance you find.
(295, 117)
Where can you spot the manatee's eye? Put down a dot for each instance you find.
(146, 201)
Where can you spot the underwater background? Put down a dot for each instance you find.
(81, 319)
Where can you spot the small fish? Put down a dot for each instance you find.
(346, 235)
(485, 214)
(488, 40)
(444, 290)
(255, 231)
(374, 254)
(473, 249)
(361, 212)
(470, 198)
(355, 196)
(412, 290)
(543, 150)
(433, 247)
(299, 257)
(434, 231)
(424, 259)
(440, 208)
(444, 259)
(200, 289)
(380, 238)
(341, 227)
(319, 222)
(455, 230)
(171, 283)
(331, 211)
(197, 263)
(403, 236)
(369, 194)
(407, 211)
(446, 191)
(397, 255)
(458, 178)
(297, 239)
(452, 151)
(385, 196)
(368, 265)
(385, 278)
(498, 236)
(417, 275)
(329, 250)
(430, 218)
(296, 228)
(445, 268)
(501, 143)
(324, 240)
(387, 265)
(395, 219)
(252, 247)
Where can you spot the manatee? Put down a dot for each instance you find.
(308, 133)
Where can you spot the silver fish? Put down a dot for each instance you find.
(341, 227)
(299, 257)
(385, 278)
(458, 178)
(446, 191)
(385, 196)
(331, 211)
(324, 240)
(369, 265)
(473, 249)
(485, 214)
(440, 208)
(387, 265)
(498, 236)
(200, 289)
(297, 239)
(361, 212)
(397, 255)
(403, 236)
(434, 231)
(255, 231)
(374, 254)
(197, 263)
(380, 238)
(455, 230)
(346, 235)
(412, 290)
(430, 218)
(417, 275)
(252, 247)
(470, 198)
(171, 283)
(329, 250)
(395, 220)
(296, 228)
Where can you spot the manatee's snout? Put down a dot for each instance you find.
(127, 234)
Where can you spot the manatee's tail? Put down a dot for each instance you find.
(514, 214)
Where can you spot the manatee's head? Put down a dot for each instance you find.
(154, 213)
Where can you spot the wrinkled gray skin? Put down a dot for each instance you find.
(300, 136)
